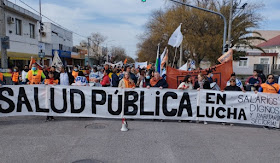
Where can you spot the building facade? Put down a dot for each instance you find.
(22, 30)
(56, 40)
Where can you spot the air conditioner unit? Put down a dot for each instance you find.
(43, 34)
(11, 20)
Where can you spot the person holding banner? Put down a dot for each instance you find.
(270, 86)
(81, 80)
(51, 80)
(55, 73)
(75, 72)
(201, 83)
(15, 76)
(35, 76)
(253, 82)
(23, 74)
(186, 83)
(126, 82)
(94, 77)
(237, 82)
(157, 81)
(115, 78)
(106, 80)
(232, 86)
(141, 83)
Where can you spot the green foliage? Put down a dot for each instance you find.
(203, 31)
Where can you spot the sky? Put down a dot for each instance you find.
(122, 21)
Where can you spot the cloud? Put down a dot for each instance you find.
(121, 21)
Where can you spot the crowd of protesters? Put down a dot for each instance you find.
(131, 77)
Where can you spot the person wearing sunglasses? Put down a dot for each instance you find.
(232, 86)
(270, 86)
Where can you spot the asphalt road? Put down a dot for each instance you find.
(30, 139)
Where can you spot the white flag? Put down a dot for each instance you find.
(176, 38)
(184, 67)
(57, 63)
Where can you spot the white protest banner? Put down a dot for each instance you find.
(118, 64)
(141, 64)
(86, 101)
(83, 101)
(238, 107)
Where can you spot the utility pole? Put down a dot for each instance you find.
(181, 54)
(88, 51)
(4, 59)
(230, 23)
(40, 51)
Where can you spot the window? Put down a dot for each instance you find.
(264, 60)
(243, 62)
(32, 30)
(60, 47)
(18, 27)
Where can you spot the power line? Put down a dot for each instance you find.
(52, 20)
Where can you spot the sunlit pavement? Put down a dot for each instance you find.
(31, 139)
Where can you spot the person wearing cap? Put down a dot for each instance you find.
(15, 76)
(35, 76)
(232, 86)
(237, 82)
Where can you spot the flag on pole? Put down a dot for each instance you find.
(158, 61)
(176, 38)
(57, 63)
(33, 61)
(164, 57)
(124, 62)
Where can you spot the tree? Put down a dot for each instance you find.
(119, 54)
(203, 32)
(97, 52)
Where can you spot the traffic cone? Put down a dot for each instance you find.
(124, 125)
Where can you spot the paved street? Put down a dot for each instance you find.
(30, 139)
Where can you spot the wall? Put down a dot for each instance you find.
(21, 43)
(250, 68)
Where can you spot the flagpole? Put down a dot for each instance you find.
(174, 57)
(181, 54)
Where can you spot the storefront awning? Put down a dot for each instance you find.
(21, 56)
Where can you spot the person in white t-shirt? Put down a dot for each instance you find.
(95, 77)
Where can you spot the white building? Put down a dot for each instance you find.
(58, 40)
(255, 59)
(22, 30)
